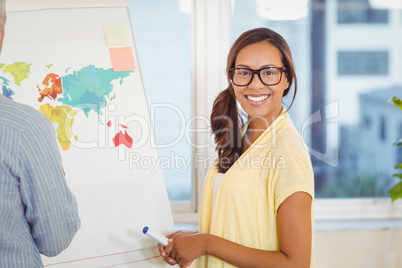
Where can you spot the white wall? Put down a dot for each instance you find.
(354, 248)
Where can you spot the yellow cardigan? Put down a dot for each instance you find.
(275, 166)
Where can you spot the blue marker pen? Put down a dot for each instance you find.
(155, 236)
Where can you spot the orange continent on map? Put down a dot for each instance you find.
(52, 87)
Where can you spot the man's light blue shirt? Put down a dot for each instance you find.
(38, 213)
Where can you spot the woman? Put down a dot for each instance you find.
(261, 212)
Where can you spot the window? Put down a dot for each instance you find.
(162, 32)
(360, 11)
(366, 122)
(362, 63)
(383, 129)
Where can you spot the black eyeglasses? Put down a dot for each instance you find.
(269, 76)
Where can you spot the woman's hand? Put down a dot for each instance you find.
(186, 247)
(171, 238)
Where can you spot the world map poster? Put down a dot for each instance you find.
(56, 58)
(61, 96)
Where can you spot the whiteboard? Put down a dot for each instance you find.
(118, 185)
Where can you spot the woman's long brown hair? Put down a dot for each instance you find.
(225, 119)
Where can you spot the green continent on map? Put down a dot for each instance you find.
(89, 87)
(63, 115)
(19, 70)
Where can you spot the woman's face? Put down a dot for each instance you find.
(257, 99)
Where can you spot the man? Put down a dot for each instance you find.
(38, 213)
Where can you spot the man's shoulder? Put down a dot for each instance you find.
(16, 115)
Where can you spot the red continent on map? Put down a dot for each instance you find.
(123, 138)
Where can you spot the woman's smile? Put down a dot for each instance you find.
(257, 99)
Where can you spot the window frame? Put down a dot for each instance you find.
(211, 40)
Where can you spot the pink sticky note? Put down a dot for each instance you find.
(122, 59)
